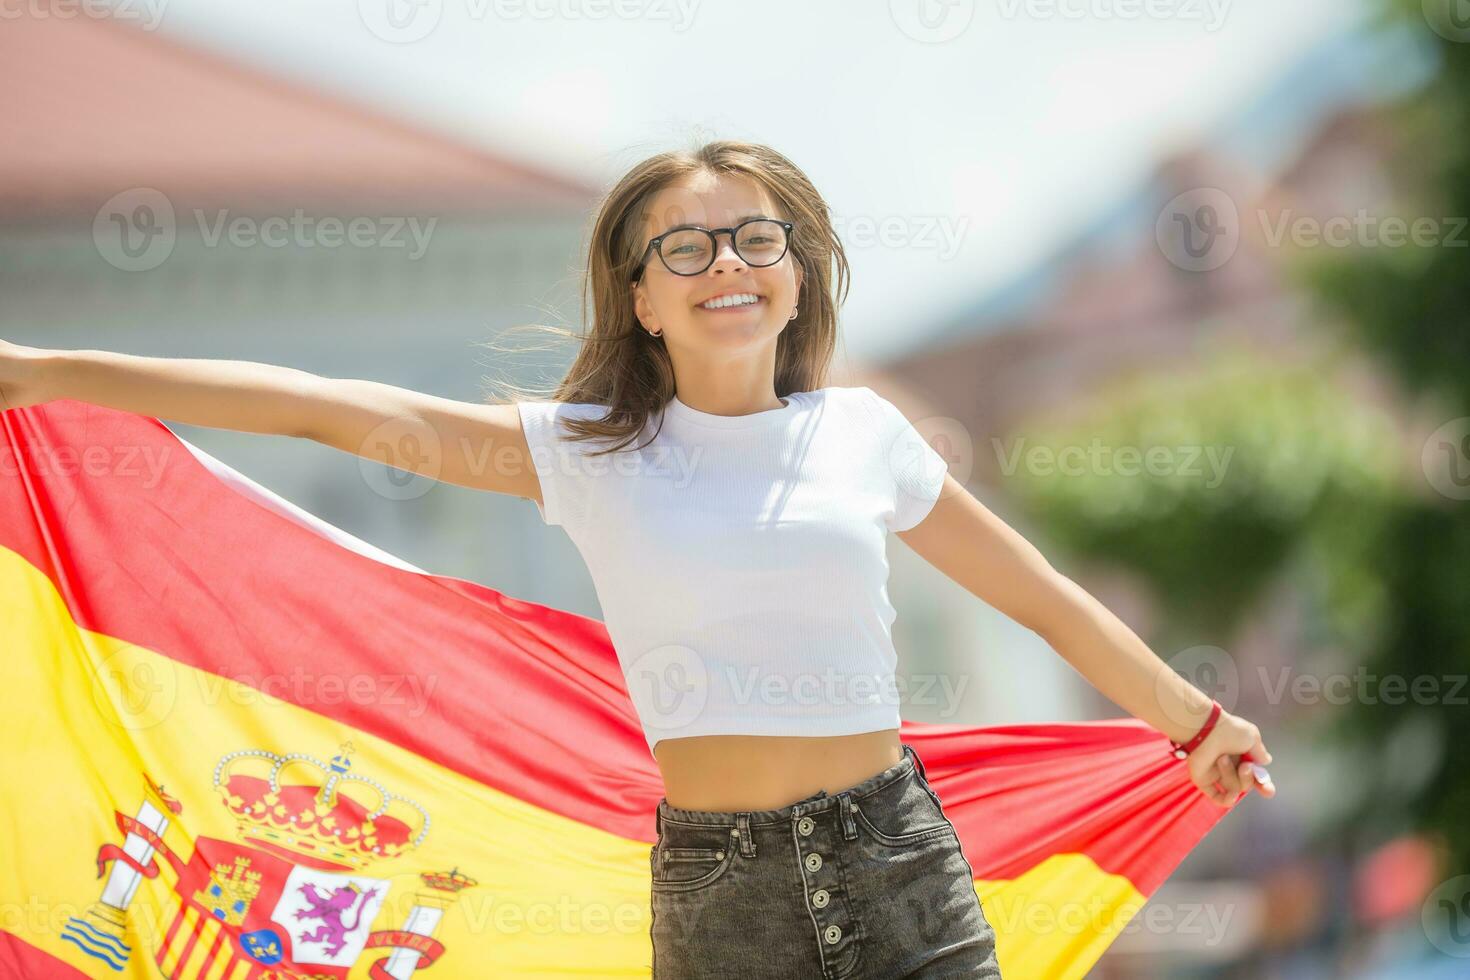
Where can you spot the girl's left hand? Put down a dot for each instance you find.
(1228, 763)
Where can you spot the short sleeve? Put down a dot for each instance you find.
(564, 473)
(913, 469)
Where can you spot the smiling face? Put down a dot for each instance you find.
(671, 303)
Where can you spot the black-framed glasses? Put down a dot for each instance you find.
(688, 250)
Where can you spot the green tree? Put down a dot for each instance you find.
(1208, 482)
(1318, 487)
(1410, 306)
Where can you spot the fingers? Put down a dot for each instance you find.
(1211, 788)
(1245, 772)
(1256, 761)
(1227, 776)
(1223, 784)
(1254, 775)
(1214, 784)
(1230, 777)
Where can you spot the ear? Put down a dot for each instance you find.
(641, 307)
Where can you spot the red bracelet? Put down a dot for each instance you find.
(1182, 751)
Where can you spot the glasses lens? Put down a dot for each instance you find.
(761, 242)
(687, 251)
(758, 243)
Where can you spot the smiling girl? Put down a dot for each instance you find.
(745, 586)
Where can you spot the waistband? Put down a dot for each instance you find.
(784, 815)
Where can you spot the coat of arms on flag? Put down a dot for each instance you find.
(291, 892)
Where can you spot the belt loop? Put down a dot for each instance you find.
(844, 807)
(658, 820)
(747, 842)
(918, 763)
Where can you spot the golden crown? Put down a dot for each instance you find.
(321, 813)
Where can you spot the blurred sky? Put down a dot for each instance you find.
(981, 132)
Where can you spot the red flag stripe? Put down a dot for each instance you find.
(19, 960)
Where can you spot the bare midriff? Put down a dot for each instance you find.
(729, 773)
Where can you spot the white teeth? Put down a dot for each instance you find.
(735, 299)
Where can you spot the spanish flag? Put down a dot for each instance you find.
(240, 743)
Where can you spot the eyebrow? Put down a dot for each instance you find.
(744, 217)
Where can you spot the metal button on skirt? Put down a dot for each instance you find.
(867, 883)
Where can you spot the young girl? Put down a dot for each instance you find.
(732, 509)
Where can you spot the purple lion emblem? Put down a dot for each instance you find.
(331, 910)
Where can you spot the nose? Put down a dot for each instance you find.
(725, 247)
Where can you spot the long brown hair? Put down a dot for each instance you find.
(620, 364)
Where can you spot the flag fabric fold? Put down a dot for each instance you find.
(241, 743)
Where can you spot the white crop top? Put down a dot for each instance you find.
(739, 560)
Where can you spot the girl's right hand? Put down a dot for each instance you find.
(20, 376)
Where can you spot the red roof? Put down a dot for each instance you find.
(90, 107)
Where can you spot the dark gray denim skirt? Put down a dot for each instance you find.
(869, 883)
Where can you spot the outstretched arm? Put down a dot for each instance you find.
(962, 538)
(474, 445)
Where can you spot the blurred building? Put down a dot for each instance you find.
(160, 199)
